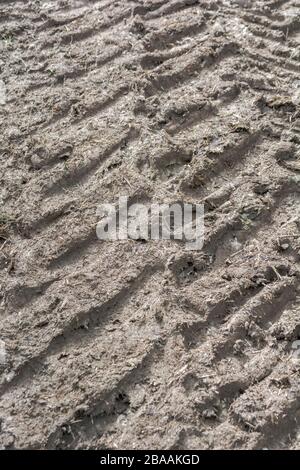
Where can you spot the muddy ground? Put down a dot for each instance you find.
(136, 344)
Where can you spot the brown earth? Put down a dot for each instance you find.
(136, 344)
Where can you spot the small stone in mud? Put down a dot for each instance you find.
(209, 413)
(284, 246)
(238, 347)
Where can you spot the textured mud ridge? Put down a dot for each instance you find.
(145, 345)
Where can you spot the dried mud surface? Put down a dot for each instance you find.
(136, 344)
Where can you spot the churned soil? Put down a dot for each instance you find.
(140, 344)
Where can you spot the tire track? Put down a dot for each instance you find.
(178, 101)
